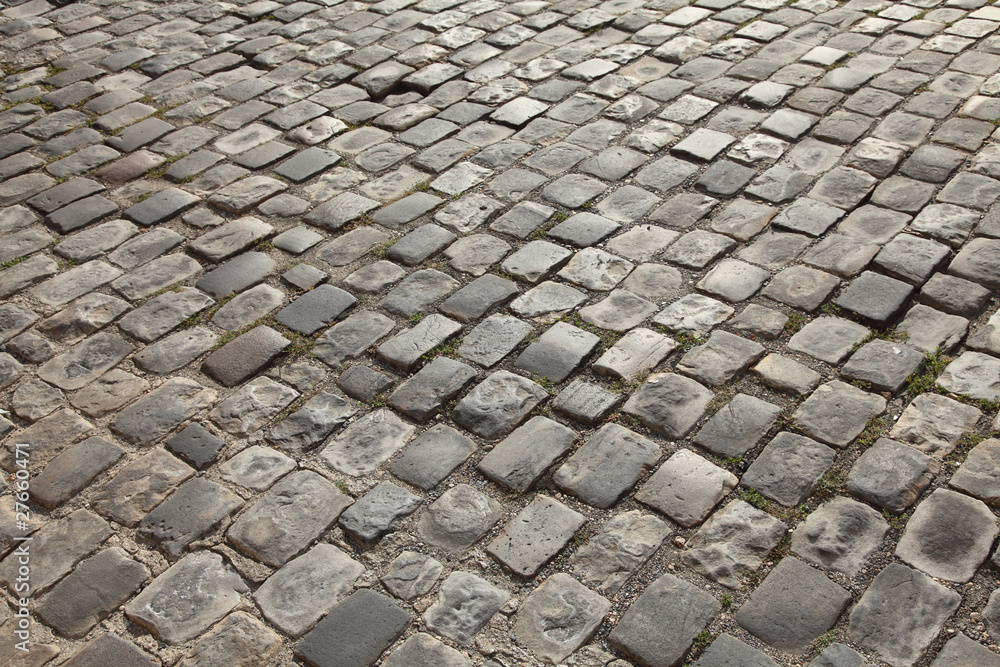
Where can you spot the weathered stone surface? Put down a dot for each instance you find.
(86, 362)
(422, 395)
(82, 317)
(240, 640)
(607, 465)
(405, 349)
(978, 475)
(680, 609)
(355, 632)
(423, 650)
(720, 359)
(95, 589)
(891, 475)
(256, 468)
(162, 313)
(73, 470)
(900, 614)
(373, 515)
(687, 488)
(56, 547)
(193, 510)
(307, 587)
(973, 374)
(173, 352)
(111, 649)
(240, 358)
(535, 535)
(726, 649)
(558, 617)
(350, 338)
(312, 423)
(734, 541)
(622, 545)
(837, 412)
(140, 486)
(788, 468)
(669, 404)
(738, 426)
(498, 404)
(520, 460)
(160, 411)
(466, 603)
(793, 606)
(948, 536)
(458, 519)
(411, 574)
(367, 443)
(287, 518)
(186, 599)
(840, 535)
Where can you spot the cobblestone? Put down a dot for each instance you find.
(702, 259)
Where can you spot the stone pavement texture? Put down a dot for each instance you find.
(501, 333)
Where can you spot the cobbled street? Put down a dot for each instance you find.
(431, 333)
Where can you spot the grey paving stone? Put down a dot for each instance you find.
(557, 352)
(180, 604)
(242, 357)
(74, 469)
(196, 508)
(432, 456)
(411, 574)
(251, 406)
(829, 339)
(196, 445)
(349, 339)
(891, 475)
(698, 249)
(944, 519)
(900, 614)
(933, 423)
(423, 649)
(972, 375)
(367, 442)
(458, 519)
(638, 351)
(793, 606)
(145, 247)
(421, 396)
(69, 285)
(523, 457)
(686, 488)
(174, 351)
(315, 309)
(405, 349)
(738, 426)
(840, 535)
(669, 404)
(256, 468)
(374, 513)
(238, 639)
(163, 409)
(355, 632)
(110, 649)
(726, 648)
(962, 650)
(73, 606)
(883, 364)
(585, 613)
(972, 263)
(421, 243)
(607, 465)
(734, 541)
(312, 423)
(475, 254)
(801, 287)
(466, 604)
(287, 518)
(788, 468)
(837, 412)
(156, 275)
(85, 362)
(688, 609)
(163, 313)
(535, 535)
(720, 359)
